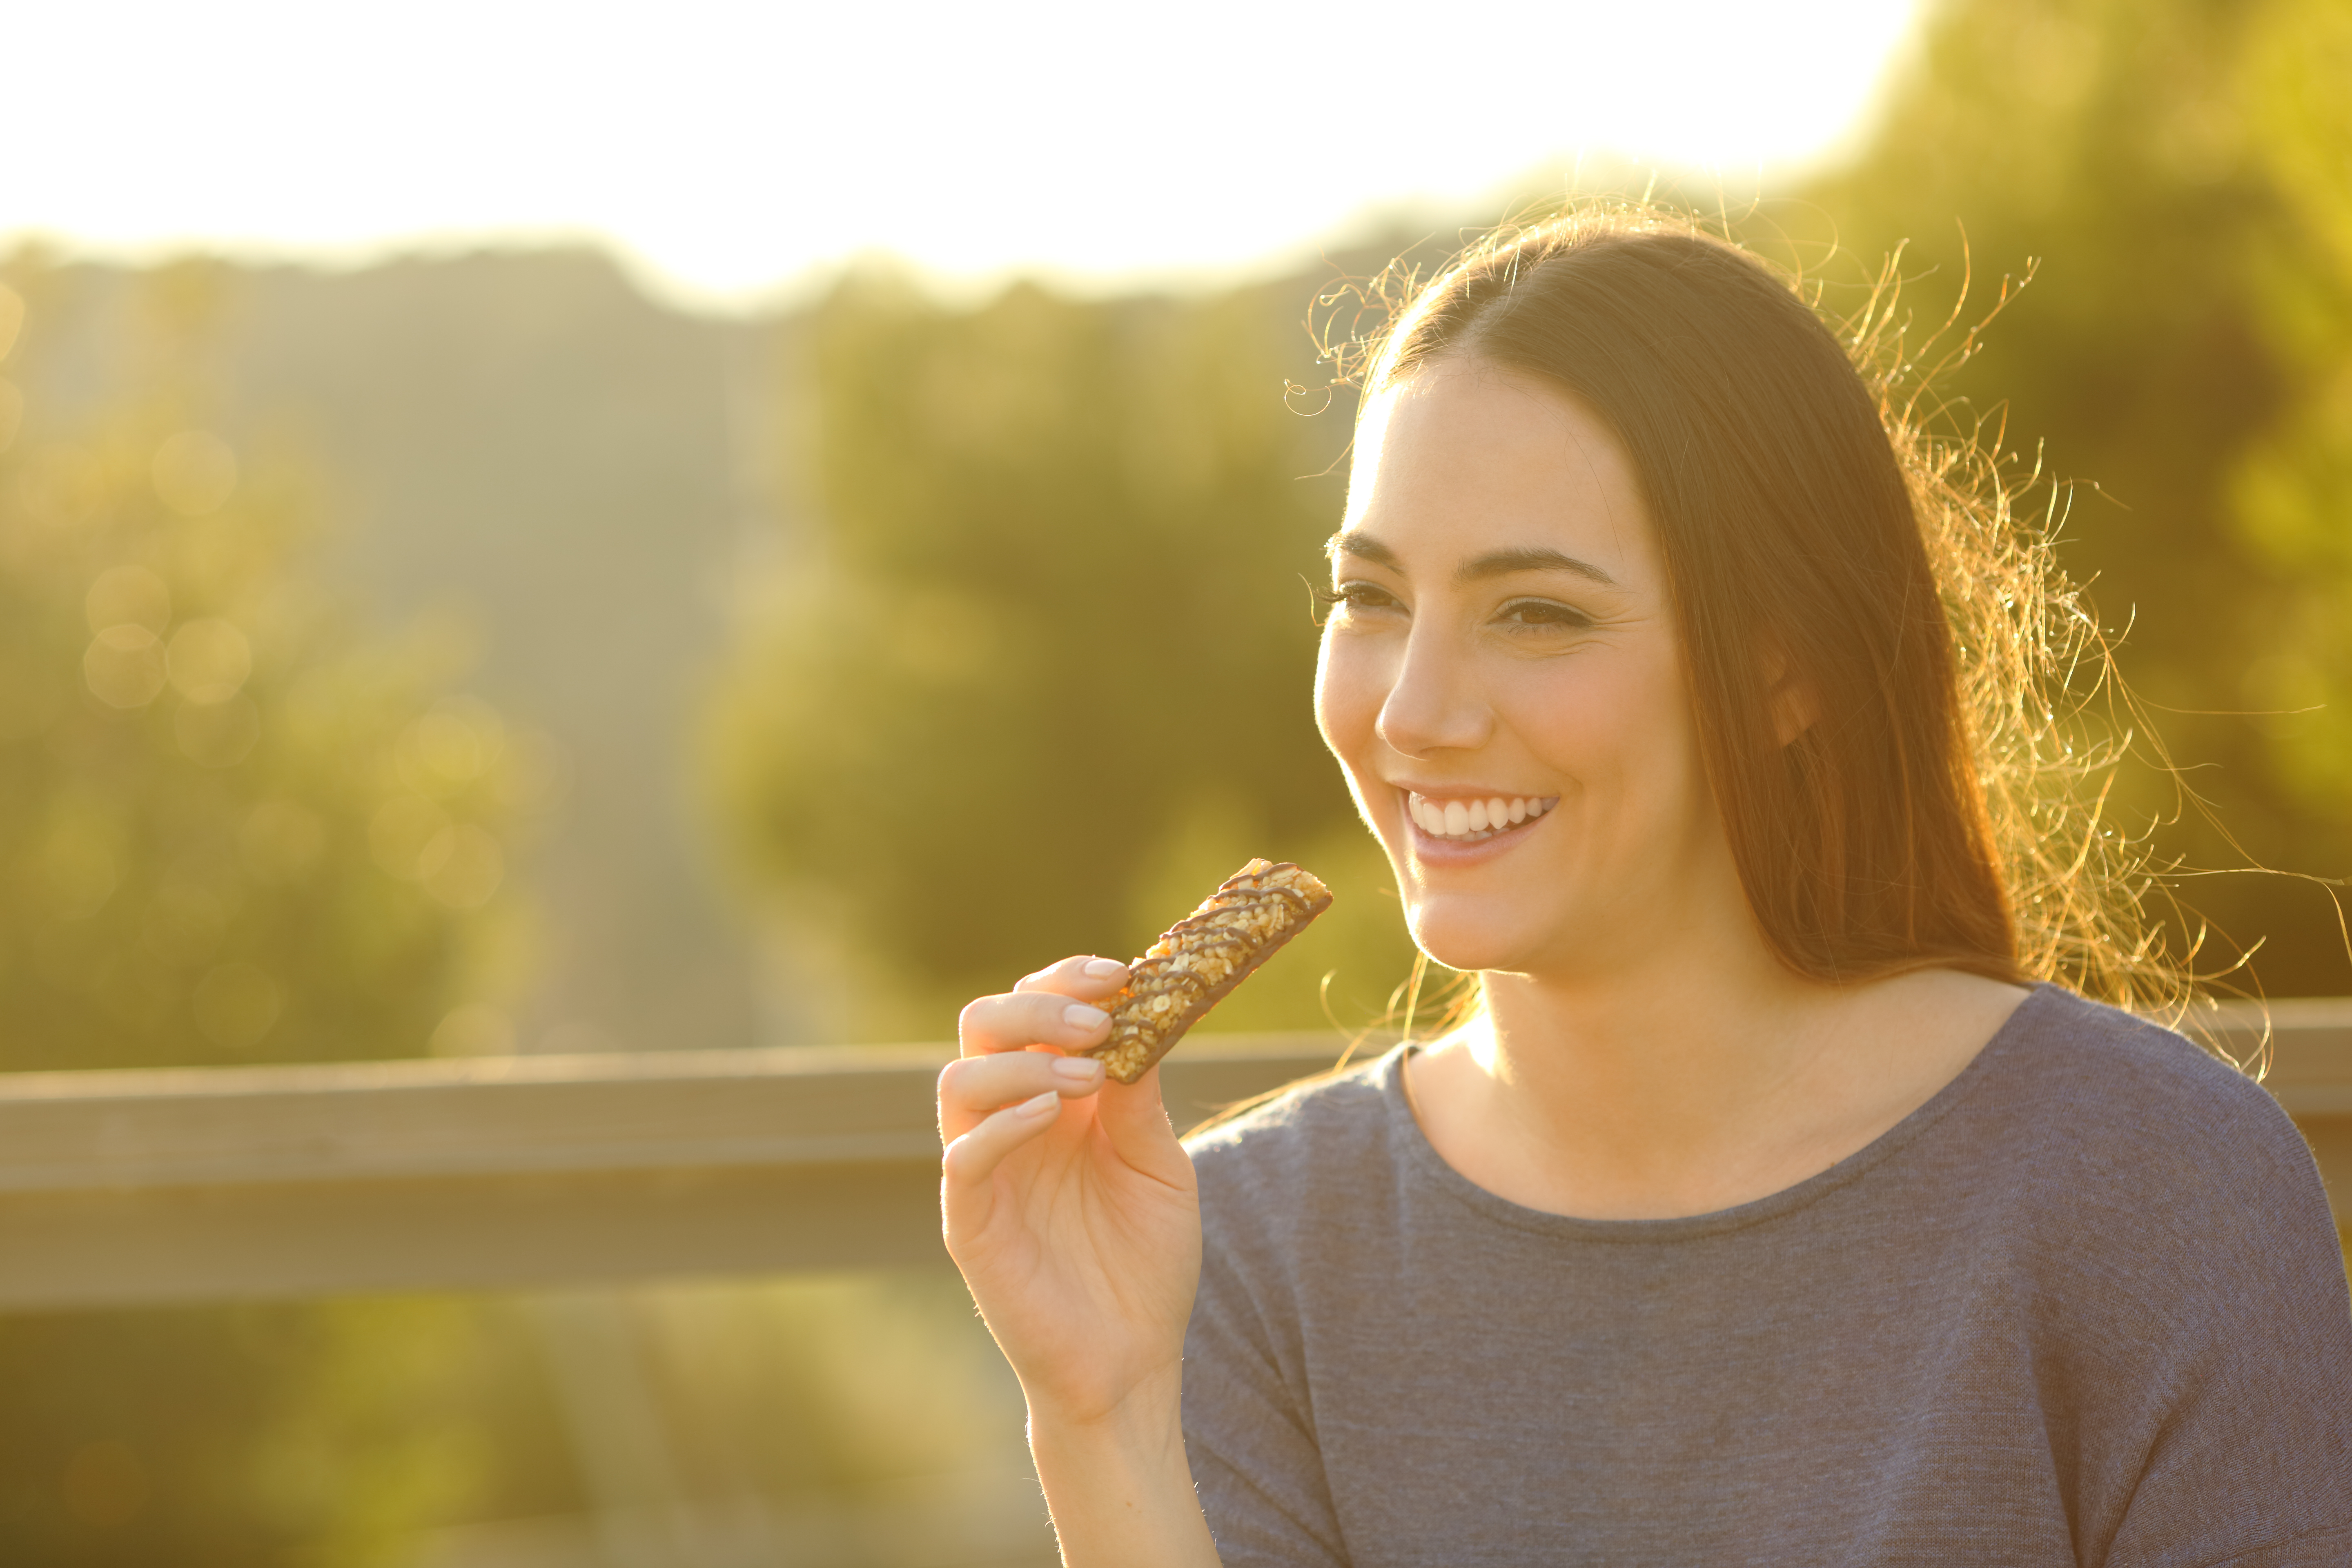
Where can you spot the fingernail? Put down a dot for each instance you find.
(1038, 1105)
(1084, 1070)
(1104, 968)
(1078, 1016)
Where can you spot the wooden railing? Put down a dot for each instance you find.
(236, 1184)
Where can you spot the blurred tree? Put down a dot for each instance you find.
(231, 827)
(2182, 168)
(1037, 671)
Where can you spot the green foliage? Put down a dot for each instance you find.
(2184, 355)
(231, 830)
(1038, 674)
(317, 1435)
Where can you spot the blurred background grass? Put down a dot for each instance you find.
(470, 654)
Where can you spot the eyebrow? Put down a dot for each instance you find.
(1494, 564)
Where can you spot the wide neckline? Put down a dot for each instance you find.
(1431, 1166)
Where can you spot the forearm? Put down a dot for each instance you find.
(1119, 1488)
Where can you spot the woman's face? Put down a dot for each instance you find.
(1502, 646)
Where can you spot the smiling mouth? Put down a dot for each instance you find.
(1471, 821)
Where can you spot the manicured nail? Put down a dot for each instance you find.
(1038, 1105)
(1104, 968)
(1080, 1070)
(1078, 1016)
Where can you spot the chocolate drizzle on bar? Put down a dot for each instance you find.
(1198, 961)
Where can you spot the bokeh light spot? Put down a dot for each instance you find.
(209, 660)
(456, 743)
(124, 666)
(194, 473)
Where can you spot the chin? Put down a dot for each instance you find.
(1471, 939)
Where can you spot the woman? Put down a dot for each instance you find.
(1766, 1210)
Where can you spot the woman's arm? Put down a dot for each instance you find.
(1071, 1210)
(1118, 1485)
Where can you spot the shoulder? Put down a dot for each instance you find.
(2180, 1269)
(2124, 1140)
(2103, 1082)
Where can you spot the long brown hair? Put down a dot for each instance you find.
(1815, 530)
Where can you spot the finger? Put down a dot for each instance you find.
(973, 1157)
(974, 1087)
(1020, 1019)
(1135, 1120)
(1088, 979)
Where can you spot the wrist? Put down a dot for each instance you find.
(1118, 1482)
(1138, 1418)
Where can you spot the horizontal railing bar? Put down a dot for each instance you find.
(191, 1185)
(290, 1166)
(520, 1116)
(180, 1083)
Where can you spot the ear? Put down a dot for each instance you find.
(1793, 701)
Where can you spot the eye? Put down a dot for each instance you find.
(1352, 600)
(1546, 613)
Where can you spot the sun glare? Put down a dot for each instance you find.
(731, 148)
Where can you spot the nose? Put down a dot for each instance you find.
(1434, 704)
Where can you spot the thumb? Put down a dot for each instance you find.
(1135, 1120)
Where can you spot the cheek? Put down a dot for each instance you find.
(1624, 716)
(1348, 691)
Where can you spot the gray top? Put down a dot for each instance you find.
(2084, 1305)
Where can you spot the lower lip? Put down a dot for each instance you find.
(1433, 851)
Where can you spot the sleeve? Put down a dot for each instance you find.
(1246, 1429)
(2248, 1461)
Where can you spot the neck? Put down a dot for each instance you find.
(1687, 1075)
(1664, 1061)
(1676, 1087)
(1641, 1070)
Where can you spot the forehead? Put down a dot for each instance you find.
(1462, 459)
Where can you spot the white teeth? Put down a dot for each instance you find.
(1474, 819)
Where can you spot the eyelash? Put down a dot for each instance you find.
(1552, 614)
(1555, 613)
(1329, 599)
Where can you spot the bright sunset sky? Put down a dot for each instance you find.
(732, 150)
